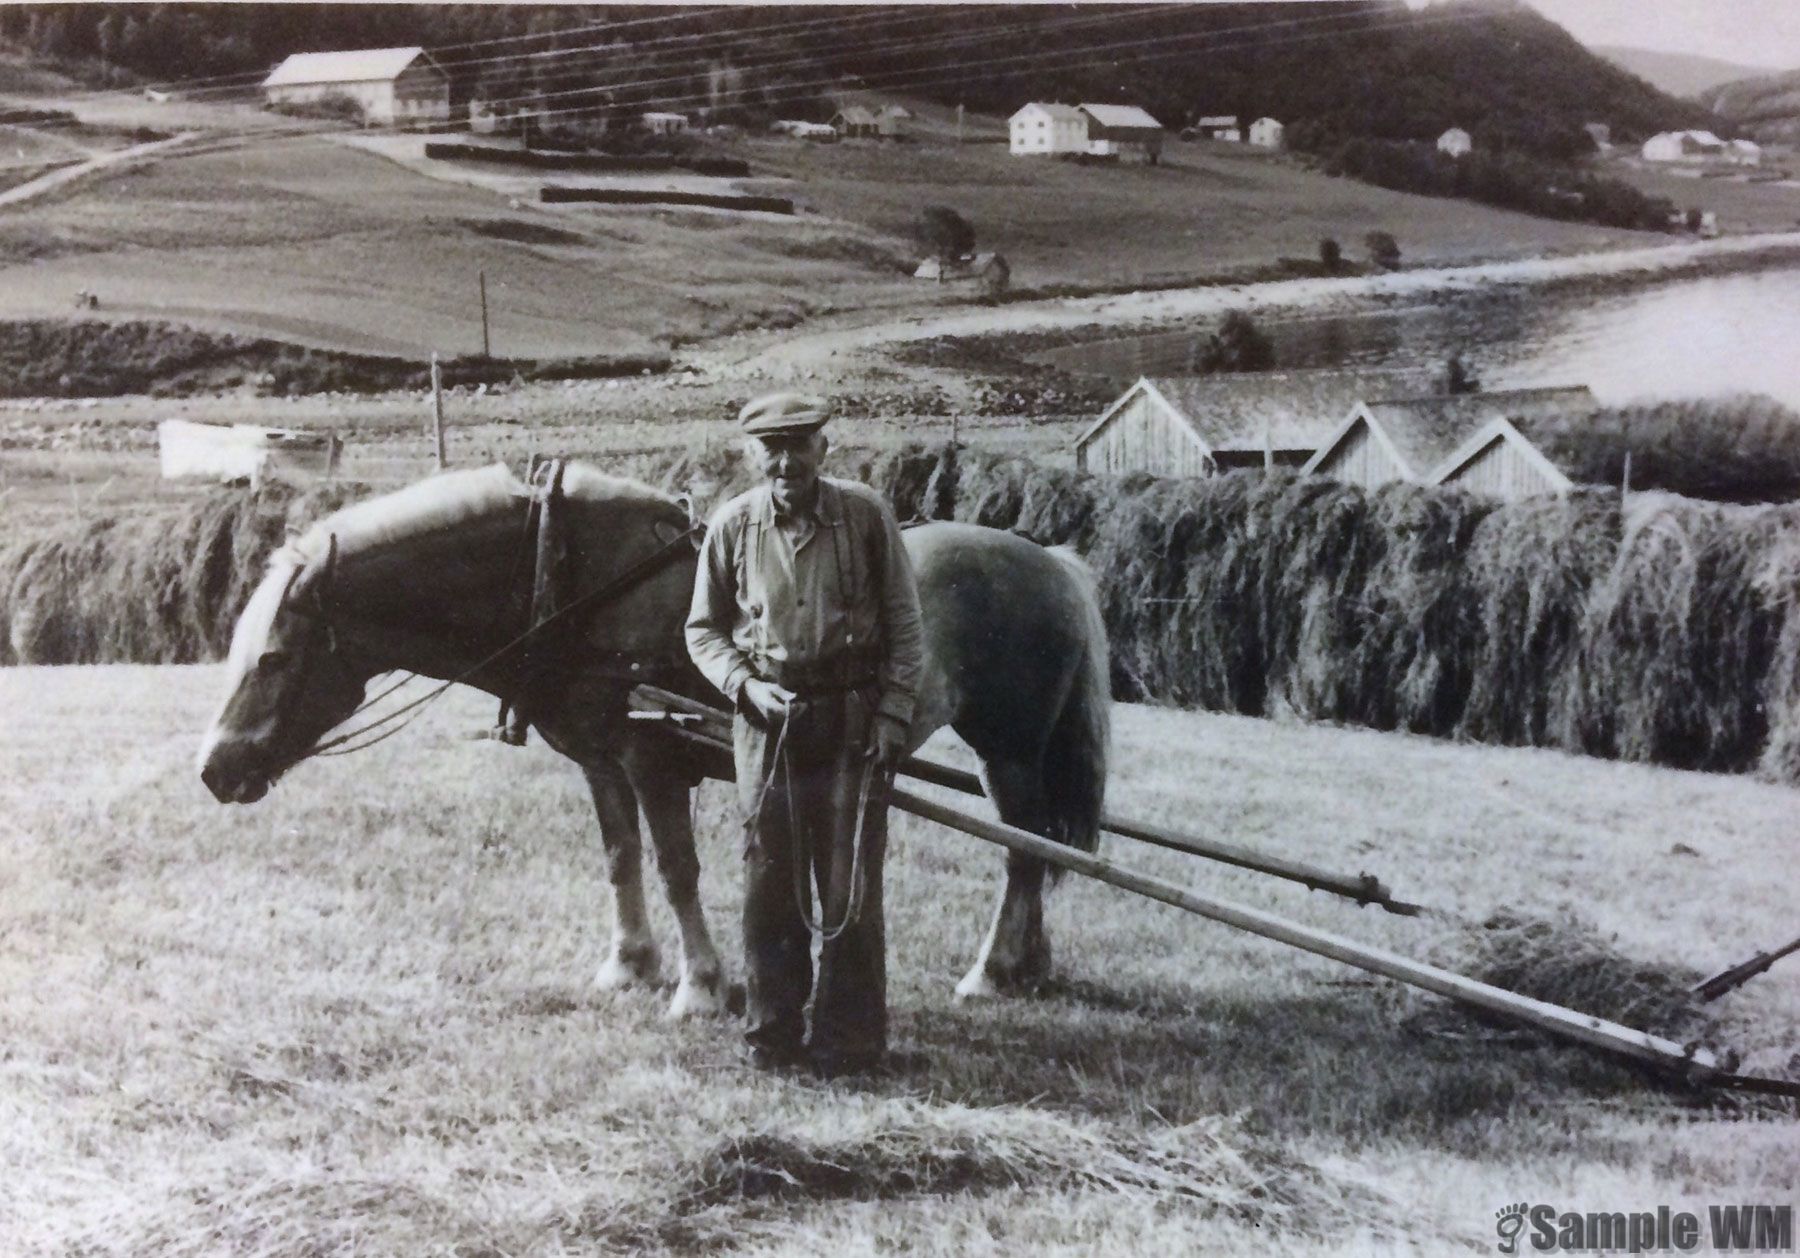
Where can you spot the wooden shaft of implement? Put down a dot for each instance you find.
(1365, 889)
(1554, 1018)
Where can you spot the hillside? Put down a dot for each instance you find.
(1344, 67)
(1767, 107)
(1678, 74)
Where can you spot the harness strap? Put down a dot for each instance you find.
(619, 584)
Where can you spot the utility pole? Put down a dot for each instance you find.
(485, 351)
(437, 409)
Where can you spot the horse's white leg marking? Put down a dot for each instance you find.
(1016, 952)
(633, 957)
(665, 801)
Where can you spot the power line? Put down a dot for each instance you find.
(1166, 46)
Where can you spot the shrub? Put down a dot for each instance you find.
(1384, 250)
(1331, 255)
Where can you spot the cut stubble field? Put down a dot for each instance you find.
(357, 1015)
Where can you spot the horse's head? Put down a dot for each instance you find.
(288, 682)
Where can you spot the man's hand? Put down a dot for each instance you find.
(887, 742)
(769, 700)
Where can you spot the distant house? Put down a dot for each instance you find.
(990, 270)
(804, 130)
(1267, 133)
(1456, 142)
(856, 122)
(891, 120)
(1683, 146)
(1600, 134)
(1218, 127)
(1123, 131)
(1204, 425)
(1744, 152)
(1041, 129)
(1428, 440)
(664, 123)
(392, 86)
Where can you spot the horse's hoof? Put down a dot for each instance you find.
(633, 968)
(697, 998)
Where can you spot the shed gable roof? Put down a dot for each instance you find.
(1423, 432)
(1126, 117)
(1244, 411)
(1056, 113)
(361, 65)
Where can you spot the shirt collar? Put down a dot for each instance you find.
(827, 508)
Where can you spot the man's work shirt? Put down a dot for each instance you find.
(828, 583)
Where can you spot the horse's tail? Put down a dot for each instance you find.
(1075, 758)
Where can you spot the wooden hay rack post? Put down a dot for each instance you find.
(709, 727)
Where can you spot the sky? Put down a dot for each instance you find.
(1750, 32)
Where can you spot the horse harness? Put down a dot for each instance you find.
(549, 609)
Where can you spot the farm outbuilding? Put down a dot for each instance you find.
(1123, 131)
(1449, 438)
(1041, 129)
(657, 122)
(1267, 133)
(1456, 142)
(392, 86)
(856, 122)
(1683, 146)
(1203, 425)
(891, 120)
(1219, 127)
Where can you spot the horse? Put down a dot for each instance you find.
(428, 580)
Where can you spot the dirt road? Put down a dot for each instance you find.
(65, 175)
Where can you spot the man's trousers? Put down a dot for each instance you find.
(808, 813)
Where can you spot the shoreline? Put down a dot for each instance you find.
(1065, 320)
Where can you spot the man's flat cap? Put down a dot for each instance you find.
(778, 414)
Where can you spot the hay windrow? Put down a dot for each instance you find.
(1668, 633)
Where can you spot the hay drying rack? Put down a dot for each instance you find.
(710, 727)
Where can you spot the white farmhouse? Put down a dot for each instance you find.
(1045, 129)
(1456, 142)
(1683, 146)
(1266, 133)
(1744, 152)
(392, 86)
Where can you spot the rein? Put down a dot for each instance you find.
(618, 585)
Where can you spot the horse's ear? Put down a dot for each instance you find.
(309, 587)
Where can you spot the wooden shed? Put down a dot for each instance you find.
(1202, 425)
(1522, 451)
(1426, 440)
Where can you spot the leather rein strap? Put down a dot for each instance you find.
(544, 613)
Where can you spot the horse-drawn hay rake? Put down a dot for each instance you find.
(710, 727)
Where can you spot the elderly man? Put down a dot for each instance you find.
(806, 617)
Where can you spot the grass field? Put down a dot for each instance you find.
(356, 1017)
(1206, 210)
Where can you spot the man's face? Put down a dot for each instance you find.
(790, 463)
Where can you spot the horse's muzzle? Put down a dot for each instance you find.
(228, 778)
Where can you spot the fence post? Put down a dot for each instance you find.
(485, 351)
(1625, 480)
(437, 409)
